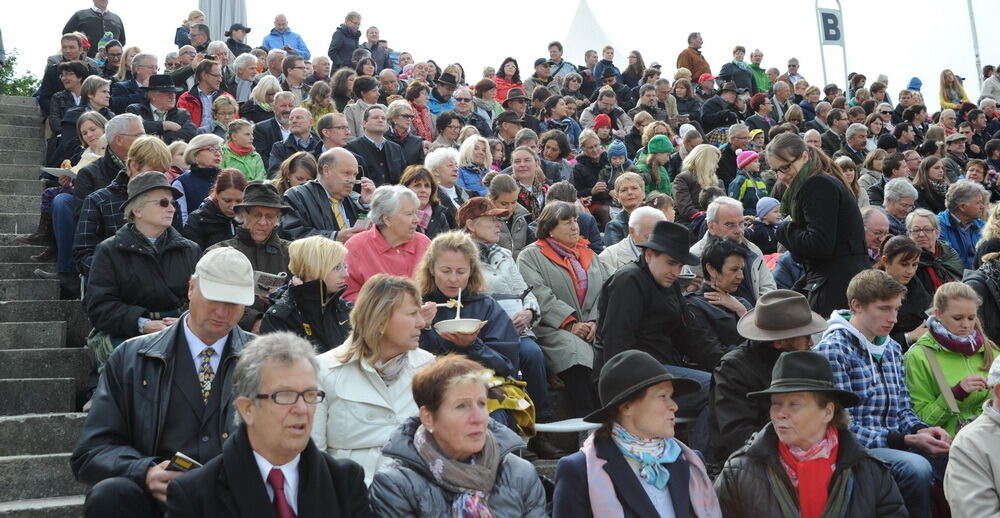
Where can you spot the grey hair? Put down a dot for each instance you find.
(215, 45)
(818, 134)
(171, 55)
(823, 107)
(962, 191)
(438, 156)
(899, 188)
(360, 53)
(712, 213)
(119, 124)
(319, 58)
(461, 89)
(922, 213)
(871, 210)
(389, 70)
(986, 101)
(385, 202)
(396, 108)
(275, 53)
(994, 376)
(139, 58)
(284, 93)
(855, 128)
(637, 216)
(524, 135)
(283, 347)
(781, 85)
(245, 59)
(887, 105)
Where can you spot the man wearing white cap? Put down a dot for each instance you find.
(165, 393)
(973, 474)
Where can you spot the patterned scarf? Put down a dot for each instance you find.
(391, 369)
(472, 481)
(424, 216)
(940, 188)
(964, 345)
(422, 122)
(579, 271)
(651, 454)
(810, 471)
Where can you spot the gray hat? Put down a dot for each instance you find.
(148, 181)
(224, 274)
(261, 194)
(780, 315)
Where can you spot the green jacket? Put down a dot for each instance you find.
(927, 400)
(665, 185)
(251, 163)
(760, 77)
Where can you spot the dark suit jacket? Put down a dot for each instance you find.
(124, 93)
(831, 142)
(230, 485)
(152, 127)
(381, 170)
(570, 498)
(857, 157)
(311, 214)
(265, 134)
(285, 148)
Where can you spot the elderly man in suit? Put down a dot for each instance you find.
(275, 129)
(128, 92)
(159, 111)
(328, 205)
(271, 463)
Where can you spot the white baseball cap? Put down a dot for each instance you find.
(226, 275)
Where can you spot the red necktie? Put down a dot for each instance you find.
(277, 480)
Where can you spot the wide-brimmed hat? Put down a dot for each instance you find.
(142, 183)
(804, 371)
(779, 315)
(161, 83)
(629, 372)
(730, 86)
(225, 275)
(261, 194)
(508, 116)
(447, 79)
(515, 94)
(476, 208)
(673, 240)
(608, 72)
(237, 27)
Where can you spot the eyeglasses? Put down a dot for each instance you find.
(163, 202)
(270, 218)
(116, 55)
(885, 112)
(463, 99)
(879, 233)
(452, 126)
(408, 116)
(342, 127)
(907, 206)
(298, 68)
(290, 397)
(214, 75)
(212, 149)
(171, 65)
(785, 168)
(923, 230)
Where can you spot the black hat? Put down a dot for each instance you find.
(731, 86)
(447, 79)
(608, 72)
(887, 141)
(804, 371)
(261, 194)
(237, 27)
(543, 61)
(142, 183)
(629, 372)
(508, 116)
(672, 239)
(515, 94)
(161, 83)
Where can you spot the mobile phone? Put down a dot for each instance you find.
(182, 463)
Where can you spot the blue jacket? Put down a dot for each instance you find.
(496, 346)
(196, 185)
(965, 244)
(437, 106)
(278, 40)
(471, 179)
(747, 188)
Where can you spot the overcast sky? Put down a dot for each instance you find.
(900, 38)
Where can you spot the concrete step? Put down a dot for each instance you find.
(35, 396)
(17, 100)
(14, 130)
(18, 253)
(77, 325)
(55, 507)
(39, 434)
(28, 289)
(21, 120)
(18, 203)
(37, 476)
(19, 222)
(15, 156)
(17, 109)
(32, 335)
(22, 143)
(28, 187)
(19, 171)
(23, 270)
(64, 362)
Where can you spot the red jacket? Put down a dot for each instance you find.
(191, 101)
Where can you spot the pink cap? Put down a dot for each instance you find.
(745, 158)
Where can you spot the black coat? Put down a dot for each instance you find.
(93, 26)
(745, 489)
(129, 278)
(756, 121)
(912, 313)
(690, 107)
(928, 200)
(442, 220)
(716, 112)
(285, 148)
(586, 174)
(741, 76)
(827, 237)
(265, 134)
(152, 127)
(271, 256)
(733, 417)
(128, 414)
(858, 157)
(638, 313)
(385, 167)
(310, 213)
(989, 311)
(69, 141)
(95, 175)
(496, 345)
(237, 47)
(252, 112)
(413, 147)
(727, 165)
(310, 312)
(60, 103)
(570, 499)
(230, 485)
(831, 141)
(207, 225)
(342, 45)
(718, 324)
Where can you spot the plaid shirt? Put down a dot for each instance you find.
(885, 400)
(100, 217)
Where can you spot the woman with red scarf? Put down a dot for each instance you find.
(805, 463)
(939, 262)
(423, 120)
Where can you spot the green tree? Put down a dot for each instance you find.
(13, 84)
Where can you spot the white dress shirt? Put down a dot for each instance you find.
(197, 346)
(291, 473)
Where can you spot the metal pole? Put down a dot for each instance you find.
(843, 45)
(975, 45)
(822, 55)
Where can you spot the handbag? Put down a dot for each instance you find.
(942, 383)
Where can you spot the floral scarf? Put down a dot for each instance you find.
(650, 454)
(391, 369)
(810, 471)
(579, 271)
(472, 481)
(422, 122)
(529, 200)
(967, 346)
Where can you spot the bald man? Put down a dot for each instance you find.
(300, 138)
(328, 205)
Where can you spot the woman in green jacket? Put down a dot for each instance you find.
(654, 164)
(239, 153)
(956, 341)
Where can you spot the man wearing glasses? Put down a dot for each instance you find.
(130, 91)
(293, 67)
(165, 393)
(198, 100)
(270, 463)
(464, 110)
(793, 71)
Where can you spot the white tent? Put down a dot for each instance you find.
(585, 33)
(221, 14)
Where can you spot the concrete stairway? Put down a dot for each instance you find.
(42, 362)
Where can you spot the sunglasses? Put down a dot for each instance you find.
(885, 112)
(463, 99)
(163, 202)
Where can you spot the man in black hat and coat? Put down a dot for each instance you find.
(642, 307)
(159, 112)
(609, 78)
(720, 110)
(518, 103)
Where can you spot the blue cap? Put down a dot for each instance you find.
(617, 148)
(765, 205)
(915, 84)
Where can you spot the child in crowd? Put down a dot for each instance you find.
(663, 203)
(748, 187)
(764, 228)
(177, 164)
(757, 140)
(602, 126)
(239, 153)
(619, 164)
(698, 224)
(653, 165)
(497, 150)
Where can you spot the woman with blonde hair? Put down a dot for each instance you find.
(951, 92)
(989, 240)
(371, 373)
(849, 171)
(258, 108)
(320, 101)
(183, 35)
(474, 159)
(955, 354)
(295, 170)
(312, 306)
(125, 67)
(697, 173)
(871, 168)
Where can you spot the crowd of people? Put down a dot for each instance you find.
(279, 253)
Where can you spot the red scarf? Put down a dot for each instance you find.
(240, 151)
(811, 472)
(422, 122)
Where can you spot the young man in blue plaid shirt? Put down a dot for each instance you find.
(870, 364)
